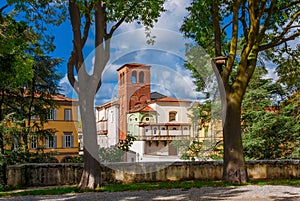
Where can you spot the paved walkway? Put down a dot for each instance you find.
(242, 193)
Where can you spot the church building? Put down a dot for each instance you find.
(154, 119)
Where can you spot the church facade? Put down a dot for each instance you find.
(153, 119)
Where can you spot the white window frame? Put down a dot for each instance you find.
(33, 142)
(51, 142)
(52, 114)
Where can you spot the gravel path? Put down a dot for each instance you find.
(242, 193)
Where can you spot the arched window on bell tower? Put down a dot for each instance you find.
(141, 77)
(121, 77)
(133, 77)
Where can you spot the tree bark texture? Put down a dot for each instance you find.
(91, 173)
(234, 169)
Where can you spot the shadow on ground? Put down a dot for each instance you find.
(243, 193)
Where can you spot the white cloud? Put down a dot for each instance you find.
(272, 74)
(166, 56)
(173, 81)
(172, 19)
(66, 87)
(107, 92)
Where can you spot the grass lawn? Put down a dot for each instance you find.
(140, 186)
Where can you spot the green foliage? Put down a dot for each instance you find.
(124, 145)
(26, 83)
(74, 159)
(249, 33)
(269, 132)
(45, 191)
(41, 14)
(144, 12)
(111, 154)
(116, 153)
(16, 63)
(198, 62)
(198, 24)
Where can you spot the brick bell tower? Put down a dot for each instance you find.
(133, 90)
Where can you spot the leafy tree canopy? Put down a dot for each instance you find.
(16, 62)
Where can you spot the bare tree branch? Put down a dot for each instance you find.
(71, 64)
(279, 42)
(284, 6)
(76, 23)
(243, 20)
(225, 27)
(217, 29)
(267, 21)
(87, 25)
(233, 44)
(3, 7)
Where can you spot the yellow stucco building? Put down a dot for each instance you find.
(64, 120)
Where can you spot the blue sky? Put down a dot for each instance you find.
(166, 56)
(168, 75)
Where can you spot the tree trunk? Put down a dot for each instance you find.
(234, 169)
(91, 174)
(3, 166)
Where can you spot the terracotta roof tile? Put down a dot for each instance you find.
(61, 97)
(143, 108)
(132, 65)
(170, 99)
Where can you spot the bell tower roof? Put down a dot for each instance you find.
(133, 65)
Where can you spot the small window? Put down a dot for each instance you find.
(121, 79)
(174, 128)
(185, 128)
(155, 131)
(147, 119)
(141, 77)
(33, 142)
(111, 116)
(68, 140)
(146, 130)
(52, 114)
(51, 142)
(136, 119)
(172, 116)
(68, 115)
(15, 143)
(133, 77)
(163, 128)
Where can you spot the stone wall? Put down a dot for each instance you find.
(69, 173)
